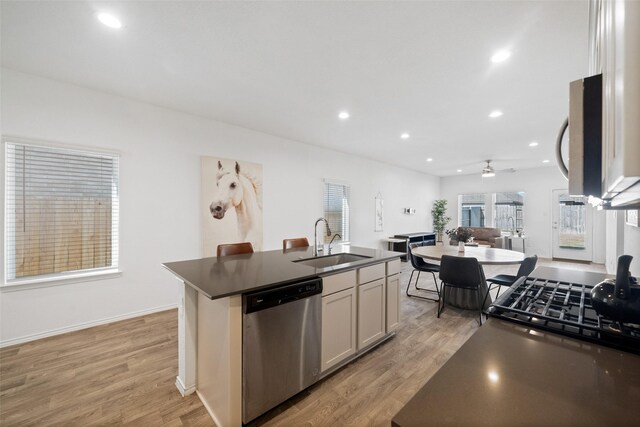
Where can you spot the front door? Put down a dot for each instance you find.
(572, 227)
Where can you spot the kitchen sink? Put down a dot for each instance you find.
(331, 260)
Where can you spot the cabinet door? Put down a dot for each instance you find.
(371, 308)
(338, 327)
(617, 48)
(393, 302)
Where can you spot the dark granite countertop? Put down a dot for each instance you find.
(238, 274)
(509, 375)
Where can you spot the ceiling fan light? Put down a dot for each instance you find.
(488, 171)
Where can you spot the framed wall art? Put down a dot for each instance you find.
(379, 213)
(231, 203)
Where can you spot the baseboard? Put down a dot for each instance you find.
(184, 391)
(577, 261)
(79, 326)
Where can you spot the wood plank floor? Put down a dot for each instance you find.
(124, 373)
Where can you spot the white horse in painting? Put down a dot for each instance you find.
(237, 190)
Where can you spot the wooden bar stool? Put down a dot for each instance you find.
(235, 249)
(299, 242)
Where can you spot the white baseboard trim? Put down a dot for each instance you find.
(209, 410)
(184, 391)
(85, 325)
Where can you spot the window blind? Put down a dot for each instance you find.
(337, 209)
(61, 211)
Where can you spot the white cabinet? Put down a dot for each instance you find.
(359, 309)
(371, 312)
(393, 295)
(338, 327)
(393, 302)
(339, 304)
(614, 52)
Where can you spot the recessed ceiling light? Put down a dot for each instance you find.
(459, 170)
(343, 115)
(545, 161)
(533, 144)
(405, 136)
(109, 20)
(429, 159)
(501, 55)
(495, 114)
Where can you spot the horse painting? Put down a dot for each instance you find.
(238, 190)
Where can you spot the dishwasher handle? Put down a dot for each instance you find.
(262, 300)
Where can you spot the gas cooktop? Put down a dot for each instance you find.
(564, 308)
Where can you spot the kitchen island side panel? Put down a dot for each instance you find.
(219, 365)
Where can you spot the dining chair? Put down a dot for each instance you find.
(420, 265)
(299, 242)
(526, 267)
(461, 273)
(235, 249)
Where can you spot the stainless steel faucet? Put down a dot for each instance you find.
(332, 239)
(315, 235)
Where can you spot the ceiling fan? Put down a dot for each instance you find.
(488, 171)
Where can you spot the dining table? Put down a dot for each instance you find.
(464, 298)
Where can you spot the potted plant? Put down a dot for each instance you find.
(461, 234)
(440, 218)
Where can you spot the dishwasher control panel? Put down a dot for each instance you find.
(262, 300)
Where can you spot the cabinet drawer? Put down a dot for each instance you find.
(370, 273)
(338, 282)
(393, 267)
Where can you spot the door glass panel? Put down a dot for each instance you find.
(572, 233)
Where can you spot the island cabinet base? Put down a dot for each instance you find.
(210, 315)
(219, 358)
(360, 310)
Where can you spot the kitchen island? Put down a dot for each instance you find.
(359, 310)
(510, 374)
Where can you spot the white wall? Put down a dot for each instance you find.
(538, 185)
(160, 187)
(622, 239)
(632, 247)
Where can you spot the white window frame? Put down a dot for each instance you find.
(495, 216)
(343, 239)
(45, 280)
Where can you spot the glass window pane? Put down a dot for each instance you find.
(337, 210)
(62, 210)
(572, 233)
(508, 211)
(472, 210)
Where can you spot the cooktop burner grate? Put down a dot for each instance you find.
(564, 308)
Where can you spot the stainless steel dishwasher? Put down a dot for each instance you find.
(281, 332)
